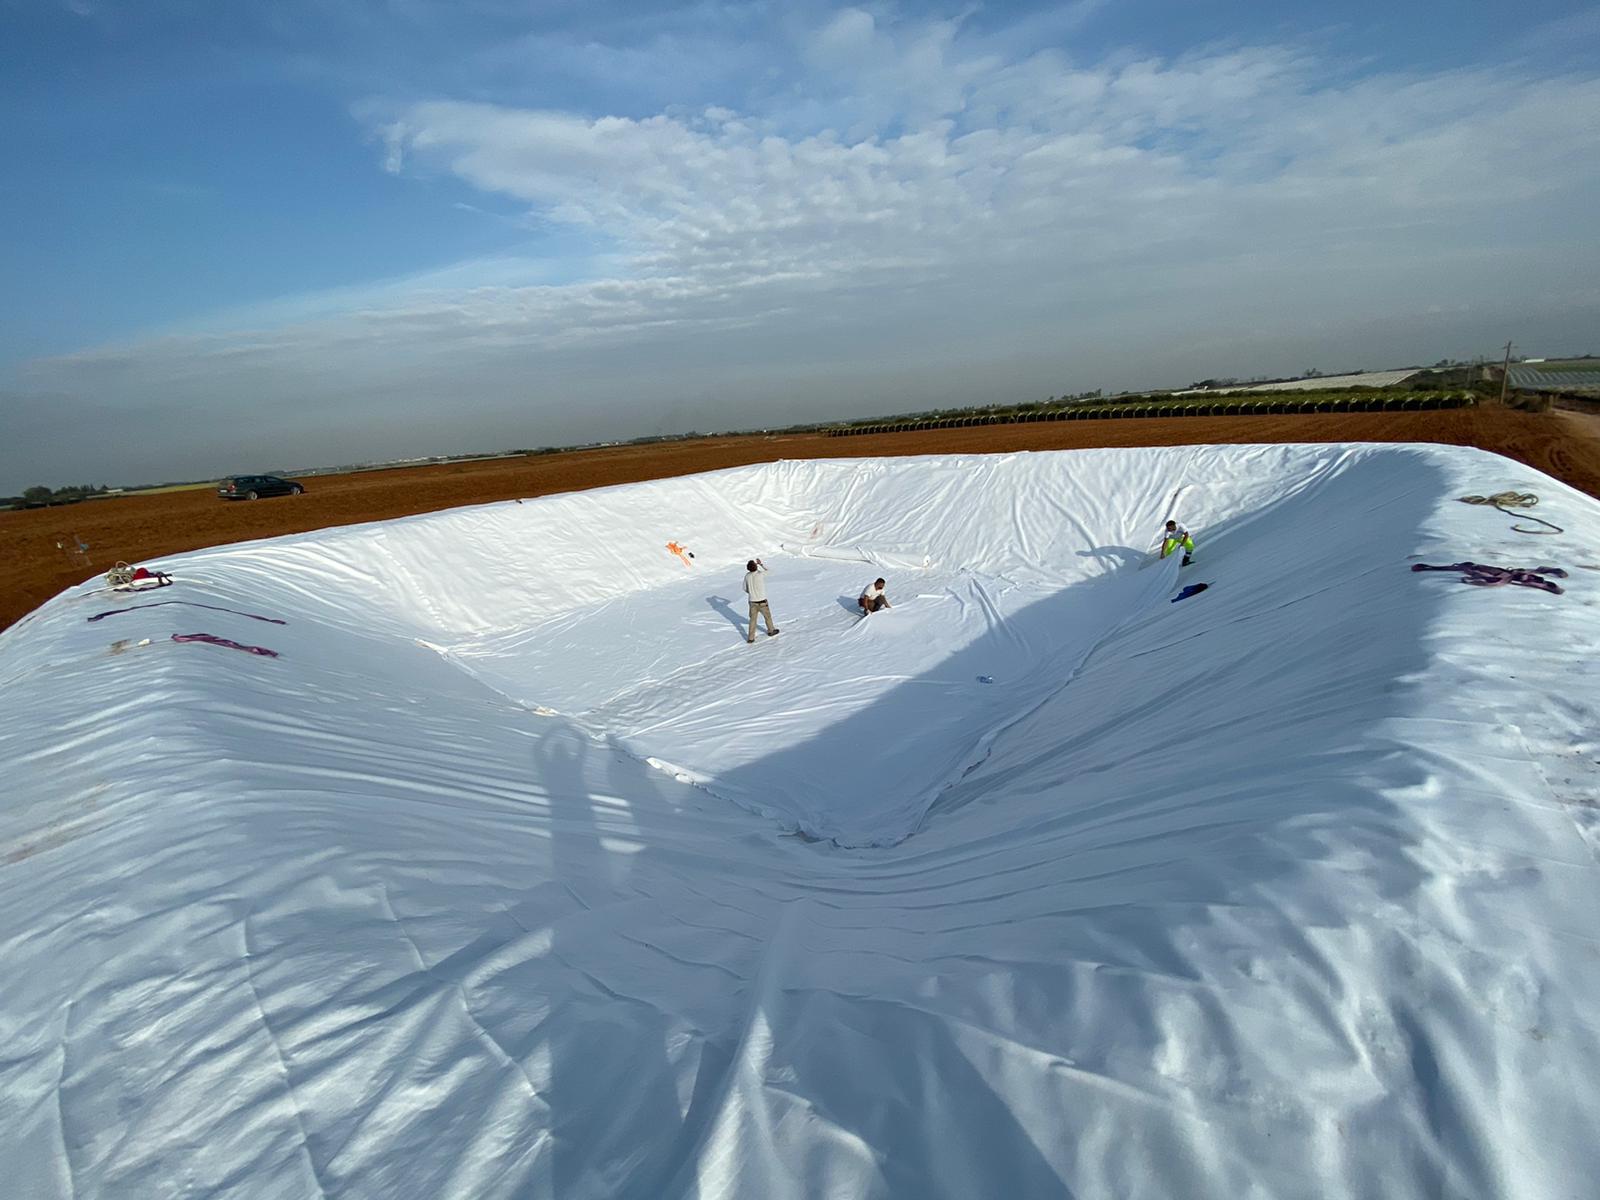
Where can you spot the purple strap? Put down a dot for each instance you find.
(192, 603)
(1484, 575)
(220, 641)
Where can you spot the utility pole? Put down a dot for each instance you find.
(1505, 373)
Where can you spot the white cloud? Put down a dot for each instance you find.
(846, 39)
(393, 136)
(1035, 163)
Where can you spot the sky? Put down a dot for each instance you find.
(250, 237)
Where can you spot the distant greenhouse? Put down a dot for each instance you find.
(1368, 379)
(1573, 375)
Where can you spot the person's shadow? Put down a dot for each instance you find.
(1125, 556)
(851, 605)
(725, 607)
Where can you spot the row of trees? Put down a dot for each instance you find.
(38, 497)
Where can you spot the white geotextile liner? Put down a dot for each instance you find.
(1286, 889)
(854, 727)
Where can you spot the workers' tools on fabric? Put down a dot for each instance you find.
(1194, 589)
(1504, 501)
(1484, 575)
(138, 579)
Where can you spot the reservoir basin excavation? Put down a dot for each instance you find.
(501, 852)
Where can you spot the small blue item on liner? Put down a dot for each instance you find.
(1193, 589)
(985, 678)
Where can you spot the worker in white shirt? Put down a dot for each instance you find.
(755, 587)
(1173, 536)
(872, 598)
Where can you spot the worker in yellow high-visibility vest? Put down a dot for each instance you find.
(1176, 535)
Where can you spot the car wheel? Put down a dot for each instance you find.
(298, 490)
(252, 495)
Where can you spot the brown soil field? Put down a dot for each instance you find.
(143, 528)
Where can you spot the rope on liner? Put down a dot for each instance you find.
(1505, 501)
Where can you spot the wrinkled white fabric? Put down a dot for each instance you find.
(518, 873)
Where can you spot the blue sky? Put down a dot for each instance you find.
(245, 237)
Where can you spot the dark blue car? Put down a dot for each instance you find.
(253, 487)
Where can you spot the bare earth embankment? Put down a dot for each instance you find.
(141, 529)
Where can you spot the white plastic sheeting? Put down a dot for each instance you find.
(518, 873)
(1370, 379)
(853, 729)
